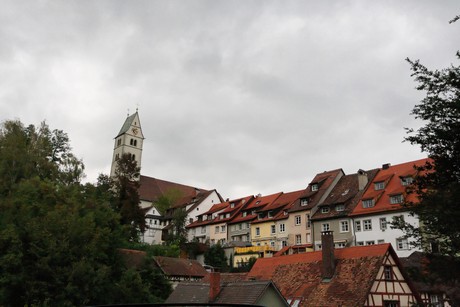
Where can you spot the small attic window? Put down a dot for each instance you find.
(314, 187)
(405, 181)
(232, 205)
(304, 202)
(325, 209)
(340, 207)
(244, 213)
(396, 199)
(379, 185)
(368, 203)
(270, 214)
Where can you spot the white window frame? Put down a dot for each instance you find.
(282, 227)
(344, 226)
(380, 185)
(367, 225)
(314, 187)
(402, 244)
(358, 226)
(396, 199)
(368, 203)
(325, 227)
(383, 223)
(298, 220)
(340, 207)
(298, 239)
(325, 209)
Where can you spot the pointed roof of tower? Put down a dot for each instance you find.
(128, 122)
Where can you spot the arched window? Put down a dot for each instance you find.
(131, 142)
(135, 142)
(133, 157)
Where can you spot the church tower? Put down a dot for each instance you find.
(129, 140)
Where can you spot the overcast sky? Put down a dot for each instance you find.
(245, 97)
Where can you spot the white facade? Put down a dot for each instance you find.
(376, 229)
(154, 226)
(128, 141)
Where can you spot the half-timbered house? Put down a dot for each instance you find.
(354, 276)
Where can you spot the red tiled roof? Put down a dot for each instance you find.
(151, 188)
(255, 204)
(299, 275)
(391, 176)
(180, 267)
(324, 180)
(346, 192)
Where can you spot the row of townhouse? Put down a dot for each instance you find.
(358, 208)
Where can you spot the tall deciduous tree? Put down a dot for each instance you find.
(59, 238)
(127, 201)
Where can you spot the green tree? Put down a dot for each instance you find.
(126, 200)
(58, 238)
(215, 256)
(167, 200)
(438, 186)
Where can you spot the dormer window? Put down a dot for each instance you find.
(379, 185)
(405, 181)
(260, 215)
(304, 202)
(314, 187)
(270, 214)
(232, 205)
(368, 203)
(396, 199)
(244, 213)
(325, 209)
(340, 207)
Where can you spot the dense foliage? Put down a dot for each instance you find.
(215, 257)
(58, 237)
(126, 199)
(439, 183)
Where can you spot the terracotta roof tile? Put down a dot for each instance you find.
(151, 188)
(299, 275)
(391, 177)
(180, 267)
(323, 180)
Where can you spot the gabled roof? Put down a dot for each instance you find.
(282, 203)
(242, 292)
(323, 181)
(152, 188)
(178, 267)
(222, 208)
(391, 177)
(255, 204)
(299, 275)
(346, 192)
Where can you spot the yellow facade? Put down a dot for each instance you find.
(262, 233)
(242, 254)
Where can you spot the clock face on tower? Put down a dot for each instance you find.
(135, 131)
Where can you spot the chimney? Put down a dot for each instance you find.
(328, 263)
(362, 179)
(386, 166)
(214, 285)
